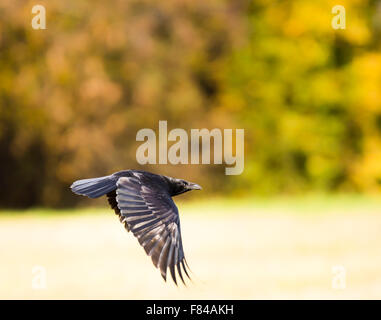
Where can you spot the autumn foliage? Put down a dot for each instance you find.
(73, 96)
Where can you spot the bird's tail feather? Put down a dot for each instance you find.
(95, 187)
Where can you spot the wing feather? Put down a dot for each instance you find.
(153, 218)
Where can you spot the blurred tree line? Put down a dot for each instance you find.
(73, 96)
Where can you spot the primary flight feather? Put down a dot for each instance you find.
(143, 202)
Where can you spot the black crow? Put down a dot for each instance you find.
(143, 202)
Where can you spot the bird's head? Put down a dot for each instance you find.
(179, 186)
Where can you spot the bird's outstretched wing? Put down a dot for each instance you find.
(153, 218)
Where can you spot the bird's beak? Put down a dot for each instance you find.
(194, 186)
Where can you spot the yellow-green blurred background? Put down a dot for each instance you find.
(73, 96)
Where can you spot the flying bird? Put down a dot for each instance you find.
(143, 202)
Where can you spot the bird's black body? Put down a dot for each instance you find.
(143, 202)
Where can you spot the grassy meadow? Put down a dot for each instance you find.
(248, 249)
